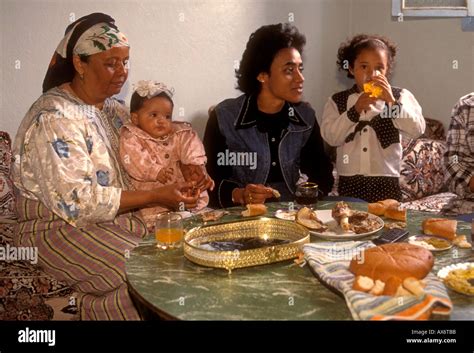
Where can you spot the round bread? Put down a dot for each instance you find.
(400, 260)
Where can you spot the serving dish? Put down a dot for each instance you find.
(335, 232)
(459, 277)
(245, 243)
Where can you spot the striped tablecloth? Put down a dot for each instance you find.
(330, 262)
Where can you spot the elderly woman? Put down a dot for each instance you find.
(74, 204)
(267, 136)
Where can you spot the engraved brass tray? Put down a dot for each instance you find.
(263, 229)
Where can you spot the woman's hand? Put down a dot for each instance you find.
(170, 196)
(252, 193)
(198, 175)
(364, 102)
(175, 195)
(165, 175)
(382, 82)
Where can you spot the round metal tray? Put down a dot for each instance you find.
(263, 228)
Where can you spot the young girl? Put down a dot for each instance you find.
(365, 121)
(156, 151)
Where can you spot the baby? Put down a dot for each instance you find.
(155, 150)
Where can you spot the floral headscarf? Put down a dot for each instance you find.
(88, 35)
(98, 38)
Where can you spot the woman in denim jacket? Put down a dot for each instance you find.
(266, 138)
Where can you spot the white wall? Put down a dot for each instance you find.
(427, 49)
(197, 55)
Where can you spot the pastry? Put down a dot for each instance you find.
(309, 219)
(461, 242)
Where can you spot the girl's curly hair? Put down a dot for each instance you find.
(349, 50)
(262, 47)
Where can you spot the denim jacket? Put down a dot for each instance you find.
(242, 135)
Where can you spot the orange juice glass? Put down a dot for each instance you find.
(169, 230)
(375, 91)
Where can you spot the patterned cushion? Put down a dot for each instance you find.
(25, 307)
(432, 203)
(7, 198)
(6, 233)
(421, 171)
(23, 286)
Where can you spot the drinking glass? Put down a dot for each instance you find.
(169, 230)
(307, 194)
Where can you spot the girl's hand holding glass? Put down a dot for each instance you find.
(364, 102)
(382, 82)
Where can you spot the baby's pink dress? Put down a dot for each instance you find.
(144, 156)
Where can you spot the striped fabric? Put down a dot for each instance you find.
(330, 262)
(90, 259)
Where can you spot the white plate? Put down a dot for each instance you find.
(443, 273)
(419, 241)
(335, 232)
(286, 215)
(445, 270)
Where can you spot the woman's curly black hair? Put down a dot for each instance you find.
(262, 47)
(348, 51)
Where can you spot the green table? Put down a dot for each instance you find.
(166, 284)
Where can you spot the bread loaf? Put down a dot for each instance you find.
(400, 260)
(399, 214)
(445, 228)
(413, 285)
(392, 285)
(378, 288)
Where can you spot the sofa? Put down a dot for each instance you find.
(27, 292)
(422, 177)
(421, 171)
